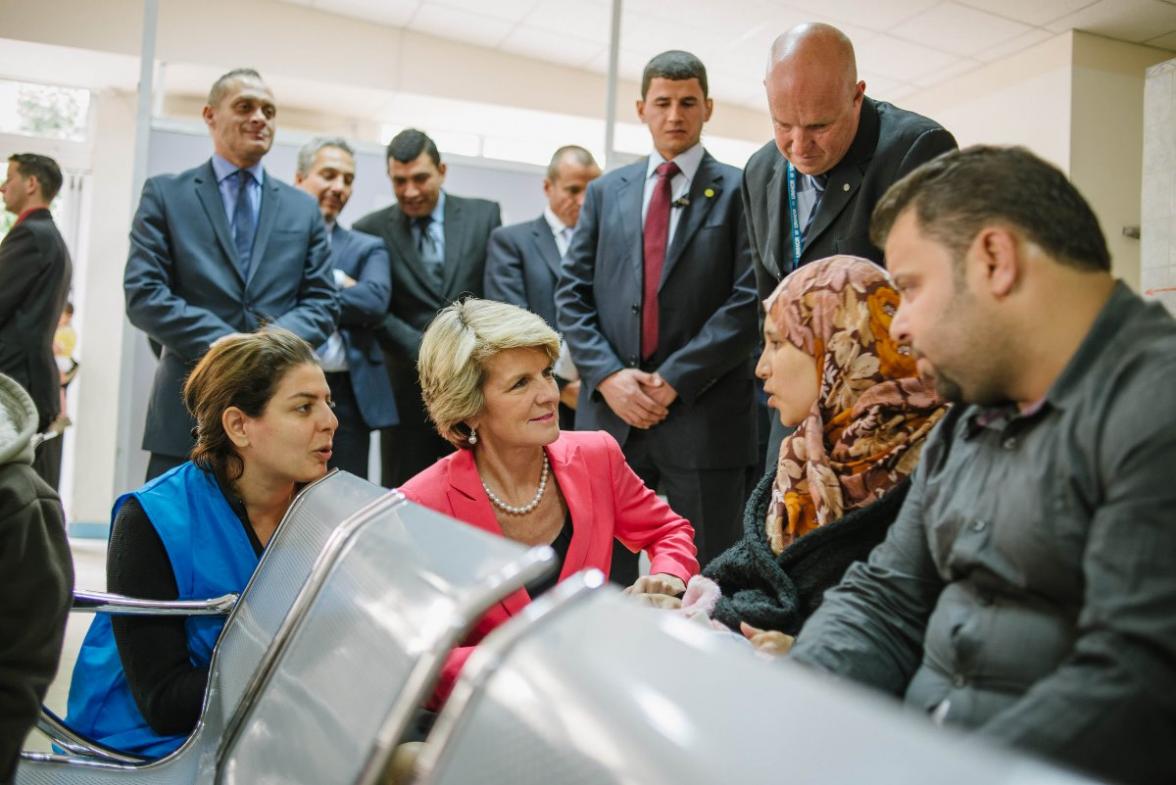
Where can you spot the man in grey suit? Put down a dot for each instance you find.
(837, 148)
(351, 358)
(522, 263)
(437, 243)
(221, 249)
(657, 305)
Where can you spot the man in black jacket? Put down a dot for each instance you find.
(437, 243)
(809, 193)
(35, 270)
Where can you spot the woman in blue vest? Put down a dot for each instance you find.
(263, 429)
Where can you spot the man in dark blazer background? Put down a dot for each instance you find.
(844, 150)
(522, 263)
(221, 249)
(437, 244)
(35, 273)
(351, 358)
(656, 303)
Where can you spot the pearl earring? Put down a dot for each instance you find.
(473, 436)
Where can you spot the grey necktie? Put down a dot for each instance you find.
(427, 248)
(244, 222)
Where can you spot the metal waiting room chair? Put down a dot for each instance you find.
(587, 687)
(302, 539)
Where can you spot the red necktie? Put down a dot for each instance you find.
(656, 235)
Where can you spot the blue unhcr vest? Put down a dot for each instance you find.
(211, 555)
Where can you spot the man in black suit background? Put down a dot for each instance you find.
(35, 274)
(522, 263)
(835, 150)
(220, 249)
(437, 244)
(656, 302)
(351, 358)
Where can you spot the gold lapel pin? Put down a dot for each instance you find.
(708, 193)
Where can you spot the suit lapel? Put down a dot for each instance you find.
(545, 245)
(400, 239)
(468, 501)
(575, 482)
(630, 191)
(340, 258)
(265, 224)
(208, 194)
(777, 255)
(455, 236)
(846, 176)
(705, 189)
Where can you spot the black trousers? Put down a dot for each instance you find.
(413, 445)
(711, 499)
(353, 438)
(47, 462)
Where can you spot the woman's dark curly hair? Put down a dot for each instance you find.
(242, 371)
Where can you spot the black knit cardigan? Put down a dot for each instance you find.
(780, 592)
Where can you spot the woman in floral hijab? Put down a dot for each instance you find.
(861, 414)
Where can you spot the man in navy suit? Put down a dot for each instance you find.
(351, 357)
(656, 301)
(221, 249)
(522, 262)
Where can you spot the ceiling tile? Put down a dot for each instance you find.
(506, 10)
(591, 21)
(396, 13)
(875, 15)
(943, 74)
(897, 93)
(1014, 45)
(460, 25)
(959, 29)
(546, 45)
(902, 60)
(1164, 42)
(1127, 20)
(1037, 12)
(630, 64)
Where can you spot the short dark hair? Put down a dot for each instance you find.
(407, 146)
(574, 151)
(221, 86)
(955, 195)
(242, 371)
(676, 65)
(42, 167)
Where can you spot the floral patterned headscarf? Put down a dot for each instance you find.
(872, 414)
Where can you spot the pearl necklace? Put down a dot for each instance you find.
(511, 509)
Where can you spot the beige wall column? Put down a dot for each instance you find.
(1158, 243)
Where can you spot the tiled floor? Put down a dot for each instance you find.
(90, 573)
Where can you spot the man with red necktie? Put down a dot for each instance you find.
(36, 270)
(657, 303)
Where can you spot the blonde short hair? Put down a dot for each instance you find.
(457, 344)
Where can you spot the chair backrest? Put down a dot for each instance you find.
(591, 689)
(375, 627)
(302, 539)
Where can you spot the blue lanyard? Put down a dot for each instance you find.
(794, 219)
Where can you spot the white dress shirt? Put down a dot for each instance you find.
(688, 163)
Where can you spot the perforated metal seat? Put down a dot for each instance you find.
(303, 537)
(587, 688)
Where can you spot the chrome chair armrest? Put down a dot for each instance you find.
(76, 744)
(103, 602)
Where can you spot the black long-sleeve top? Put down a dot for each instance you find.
(167, 688)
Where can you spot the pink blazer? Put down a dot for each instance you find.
(606, 500)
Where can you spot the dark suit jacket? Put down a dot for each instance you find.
(890, 142)
(415, 296)
(707, 329)
(363, 306)
(34, 281)
(184, 289)
(522, 267)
